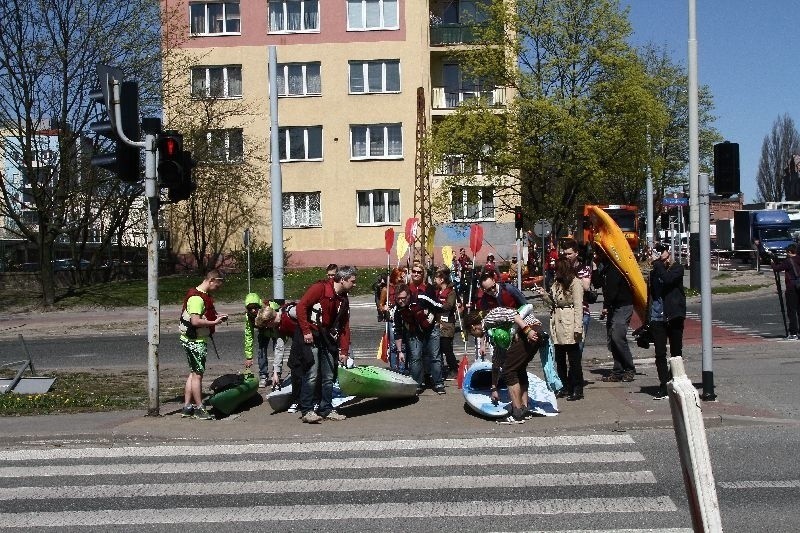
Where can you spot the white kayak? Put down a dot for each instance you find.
(478, 396)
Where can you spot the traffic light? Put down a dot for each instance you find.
(124, 159)
(518, 219)
(187, 185)
(726, 168)
(170, 159)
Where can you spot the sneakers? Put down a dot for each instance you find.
(334, 416)
(420, 390)
(262, 383)
(292, 408)
(628, 376)
(661, 394)
(187, 411)
(791, 337)
(511, 419)
(439, 389)
(200, 413)
(311, 417)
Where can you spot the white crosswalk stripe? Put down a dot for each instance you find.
(131, 486)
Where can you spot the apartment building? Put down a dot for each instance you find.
(348, 74)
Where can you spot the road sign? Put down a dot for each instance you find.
(542, 228)
(675, 201)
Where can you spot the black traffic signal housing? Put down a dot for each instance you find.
(124, 161)
(726, 168)
(170, 159)
(187, 184)
(518, 218)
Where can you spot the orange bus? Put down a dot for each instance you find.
(626, 217)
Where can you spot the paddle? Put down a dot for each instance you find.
(384, 343)
(475, 243)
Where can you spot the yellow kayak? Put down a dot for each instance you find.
(610, 238)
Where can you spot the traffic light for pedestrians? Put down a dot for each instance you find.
(518, 219)
(124, 159)
(170, 159)
(183, 189)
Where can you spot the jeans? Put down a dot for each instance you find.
(619, 318)
(424, 353)
(323, 370)
(661, 331)
(586, 319)
(394, 363)
(263, 349)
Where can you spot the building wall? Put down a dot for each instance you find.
(339, 239)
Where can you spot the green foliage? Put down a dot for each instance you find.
(260, 259)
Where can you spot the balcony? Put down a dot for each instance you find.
(450, 34)
(443, 98)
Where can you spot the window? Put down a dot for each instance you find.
(215, 18)
(289, 16)
(375, 76)
(473, 203)
(454, 165)
(379, 206)
(300, 143)
(376, 141)
(217, 82)
(299, 79)
(221, 146)
(301, 209)
(372, 15)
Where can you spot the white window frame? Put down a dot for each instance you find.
(371, 130)
(283, 68)
(207, 19)
(464, 203)
(371, 194)
(362, 6)
(364, 66)
(226, 74)
(285, 17)
(227, 133)
(297, 210)
(286, 132)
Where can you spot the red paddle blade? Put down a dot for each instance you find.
(462, 371)
(389, 238)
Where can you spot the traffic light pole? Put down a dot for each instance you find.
(152, 195)
(153, 306)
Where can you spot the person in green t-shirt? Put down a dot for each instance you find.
(197, 322)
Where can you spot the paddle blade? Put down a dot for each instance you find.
(388, 239)
(402, 246)
(463, 366)
(411, 230)
(383, 349)
(475, 238)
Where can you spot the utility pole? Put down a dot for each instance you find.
(422, 185)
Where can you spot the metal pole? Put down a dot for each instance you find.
(153, 305)
(694, 152)
(276, 181)
(247, 243)
(519, 259)
(705, 289)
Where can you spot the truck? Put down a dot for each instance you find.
(771, 229)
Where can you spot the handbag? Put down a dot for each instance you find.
(643, 336)
(590, 296)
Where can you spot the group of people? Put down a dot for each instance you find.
(421, 318)
(319, 328)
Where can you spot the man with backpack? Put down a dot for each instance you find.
(416, 327)
(323, 316)
(197, 322)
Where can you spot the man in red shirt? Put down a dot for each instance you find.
(323, 316)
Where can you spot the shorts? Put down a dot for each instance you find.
(196, 352)
(518, 357)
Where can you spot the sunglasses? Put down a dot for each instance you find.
(416, 271)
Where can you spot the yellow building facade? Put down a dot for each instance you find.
(348, 74)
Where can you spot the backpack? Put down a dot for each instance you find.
(225, 382)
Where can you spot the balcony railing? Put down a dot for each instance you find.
(447, 34)
(443, 98)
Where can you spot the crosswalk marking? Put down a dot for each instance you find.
(360, 511)
(781, 484)
(345, 463)
(364, 445)
(329, 485)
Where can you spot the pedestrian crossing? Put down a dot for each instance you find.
(498, 483)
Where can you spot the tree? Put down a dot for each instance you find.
(577, 129)
(670, 145)
(48, 55)
(230, 185)
(776, 151)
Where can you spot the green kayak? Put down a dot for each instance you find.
(228, 400)
(375, 382)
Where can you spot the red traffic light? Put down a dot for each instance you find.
(171, 147)
(518, 220)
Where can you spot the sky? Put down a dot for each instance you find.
(748, 53)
